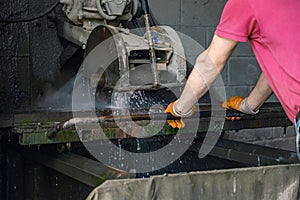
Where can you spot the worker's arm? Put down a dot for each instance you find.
(260, 93)
(251, 104)
(208, 66)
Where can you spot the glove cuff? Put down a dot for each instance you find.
(180, 114)
(245, 108)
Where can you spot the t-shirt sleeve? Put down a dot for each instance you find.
(237, 21)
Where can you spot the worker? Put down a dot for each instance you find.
(273, 28)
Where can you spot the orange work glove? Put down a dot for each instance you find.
(235, 103)
(177, 123)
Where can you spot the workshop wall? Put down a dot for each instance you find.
(14, 55)
(29, 53)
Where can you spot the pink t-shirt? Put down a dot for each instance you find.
(273, 29)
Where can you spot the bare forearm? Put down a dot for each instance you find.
(208, 66)
(260, 93)
(198, 83)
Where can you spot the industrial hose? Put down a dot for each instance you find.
(135, 6)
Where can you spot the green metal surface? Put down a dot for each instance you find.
(35, 127)
(37, 133)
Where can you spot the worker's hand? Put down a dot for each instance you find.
(240, 104)
(177, 123)
(234, 102)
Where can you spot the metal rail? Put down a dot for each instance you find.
(58, 127)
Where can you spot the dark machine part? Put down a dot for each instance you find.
(89, 11)
(297, 127)
(115, 8)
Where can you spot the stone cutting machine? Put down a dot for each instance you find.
(144, 57)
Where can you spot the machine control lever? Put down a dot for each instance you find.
(149, 35)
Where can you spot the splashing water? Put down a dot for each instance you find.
(149, 101)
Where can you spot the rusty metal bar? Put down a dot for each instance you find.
(139, 116)
(269, 115)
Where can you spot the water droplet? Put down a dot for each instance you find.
(138, 146)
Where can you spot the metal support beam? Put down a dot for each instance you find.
(80, 168)
(251, 154)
